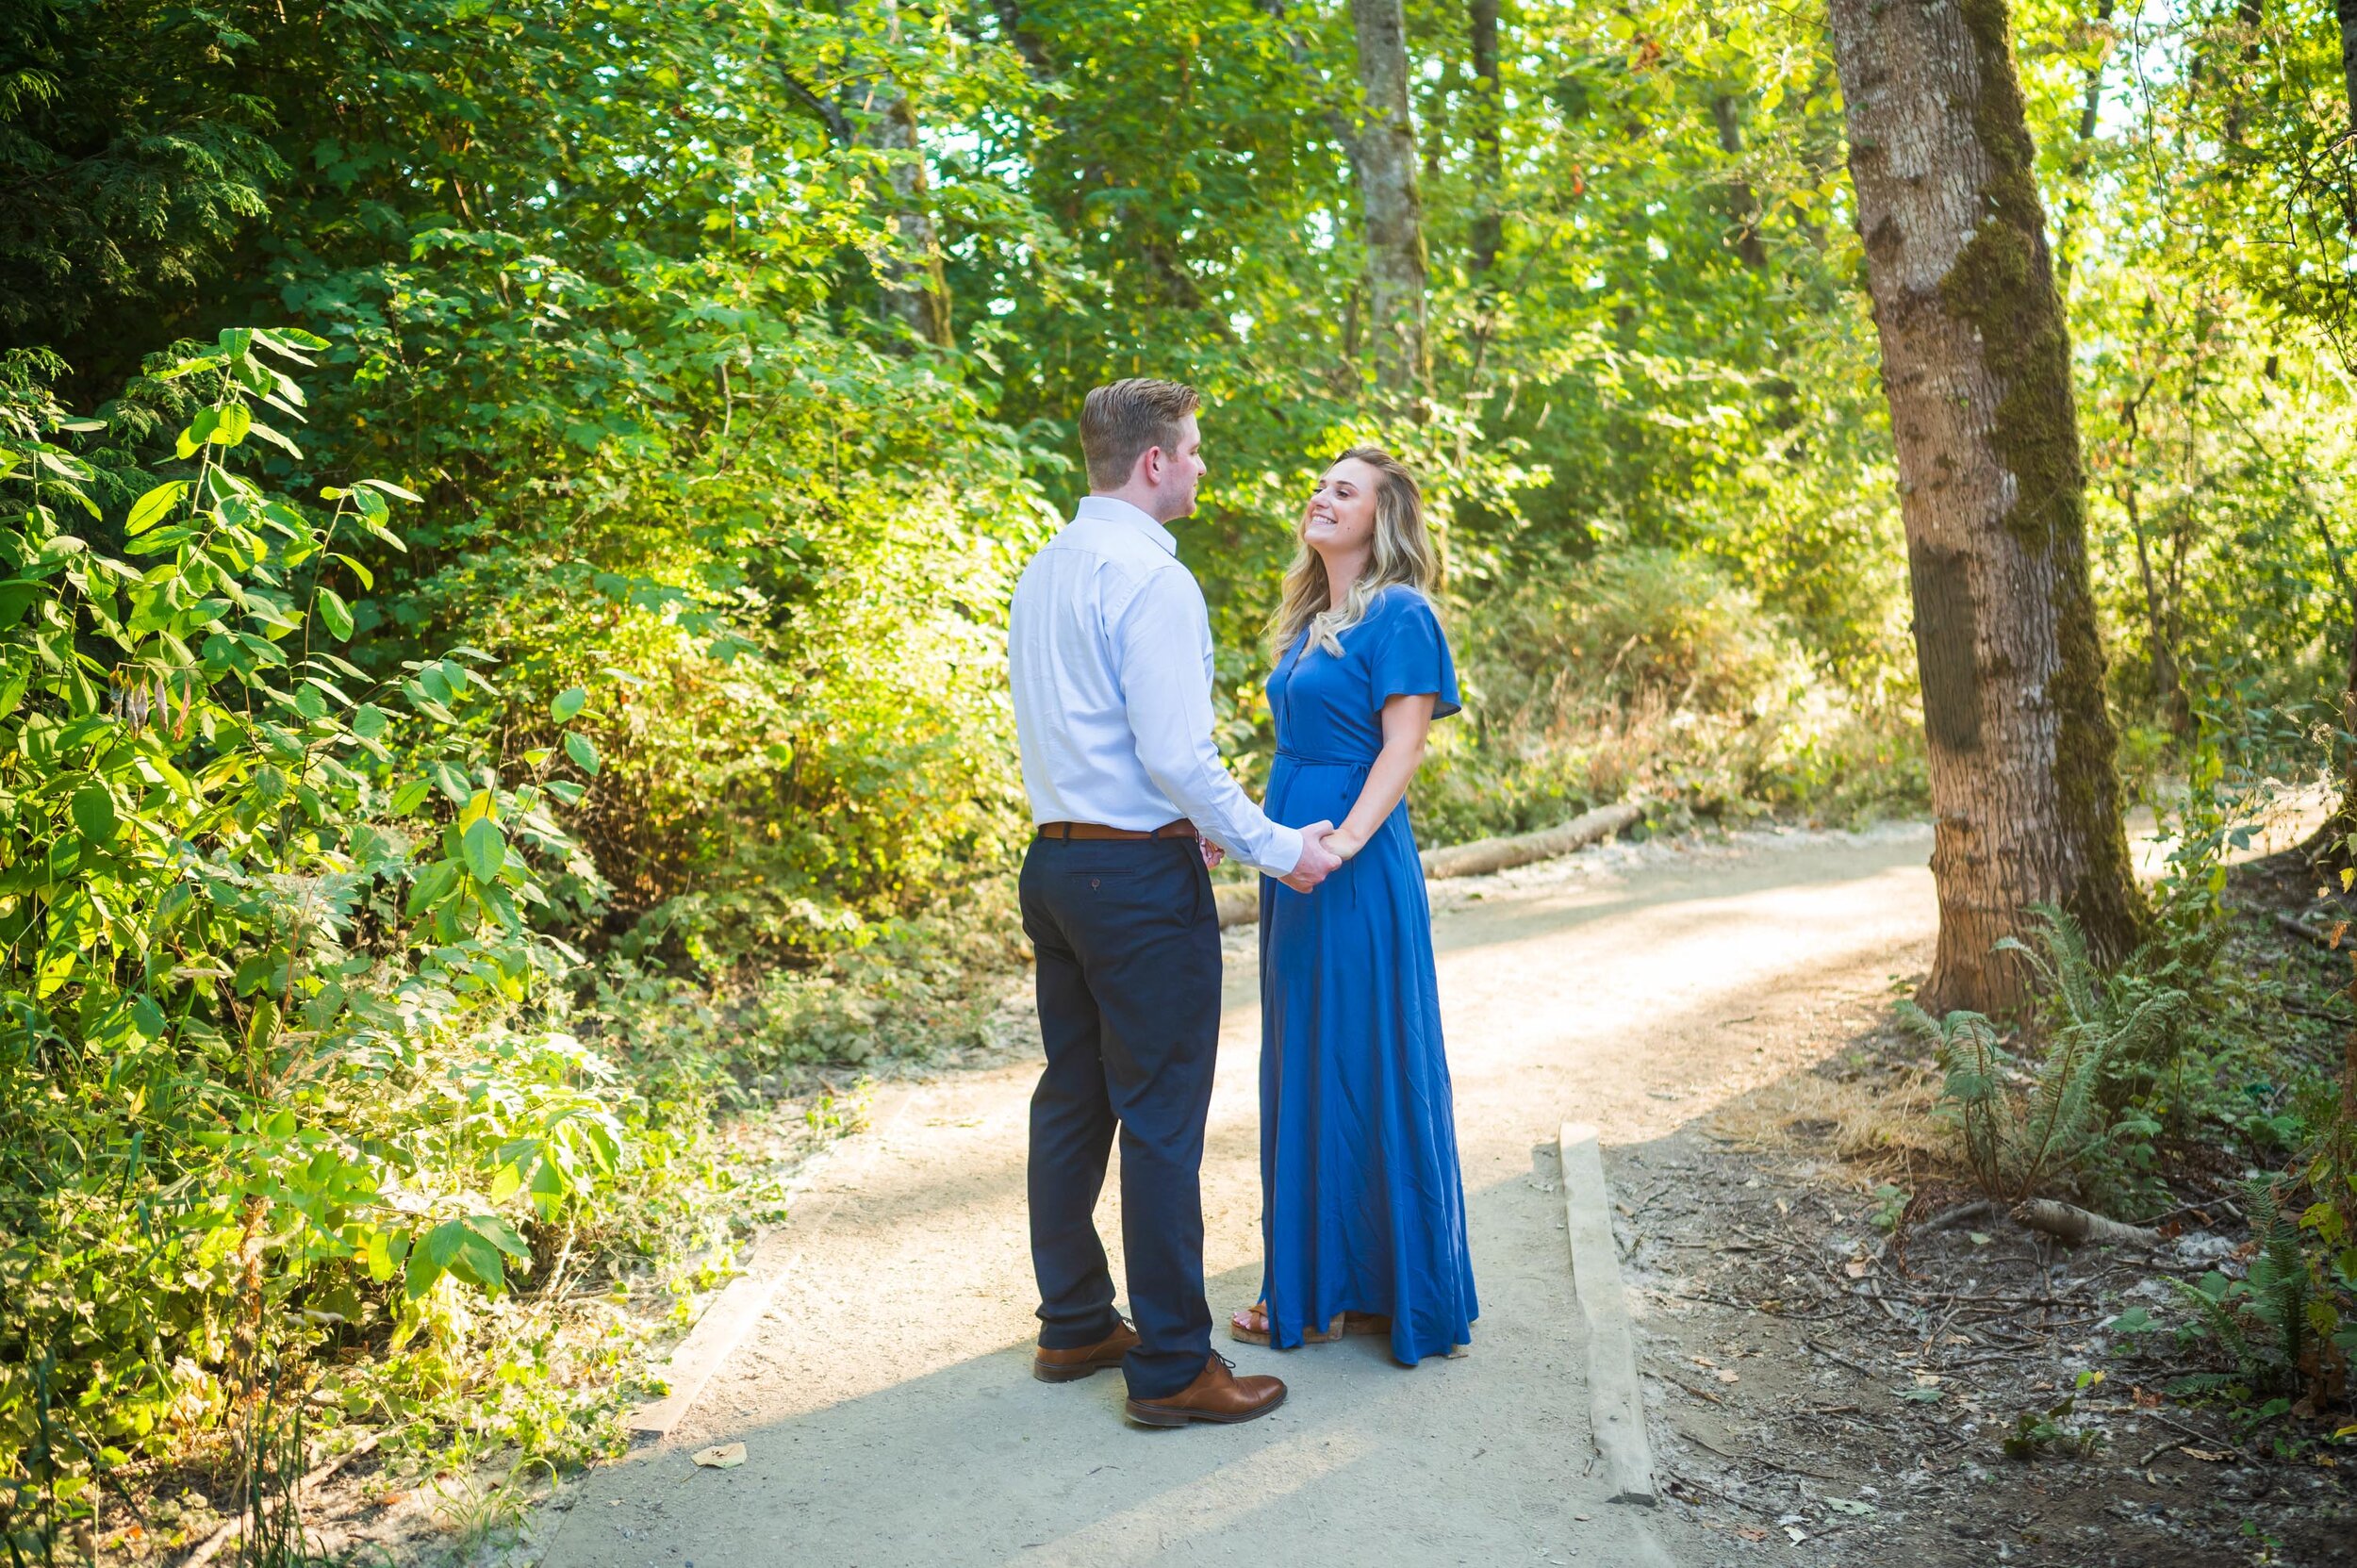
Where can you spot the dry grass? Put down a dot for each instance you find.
(1879, 1122)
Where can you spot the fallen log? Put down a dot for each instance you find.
(1239, 902)
(2076, 1224)
(1485, 855)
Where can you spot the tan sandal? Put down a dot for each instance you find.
(1239, 1331)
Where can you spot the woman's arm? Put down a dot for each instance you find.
(1407, 720)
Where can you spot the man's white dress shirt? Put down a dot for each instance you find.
(1109, 651)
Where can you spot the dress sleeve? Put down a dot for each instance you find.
(1412, 656)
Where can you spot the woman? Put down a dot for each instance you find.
(1362, 1206)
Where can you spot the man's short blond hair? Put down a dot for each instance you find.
(1119, 422)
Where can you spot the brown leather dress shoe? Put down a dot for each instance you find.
(1065, 1367)
(1218, 1395)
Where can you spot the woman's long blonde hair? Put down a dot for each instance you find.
(1403, 555)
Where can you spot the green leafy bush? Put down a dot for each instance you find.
(276, 1017)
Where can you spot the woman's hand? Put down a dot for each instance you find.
(1213, 854)
(1342, 844)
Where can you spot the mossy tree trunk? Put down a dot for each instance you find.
(1384, 150)
(1976, 368)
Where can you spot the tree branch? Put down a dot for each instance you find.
(838, 129)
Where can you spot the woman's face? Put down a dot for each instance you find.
(1340, 517)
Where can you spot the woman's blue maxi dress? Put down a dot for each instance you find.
(1362, 1204)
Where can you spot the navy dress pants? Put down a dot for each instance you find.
(1129, 983)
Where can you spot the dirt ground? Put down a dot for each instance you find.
(1824, 1399)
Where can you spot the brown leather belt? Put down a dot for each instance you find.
(1180, 829)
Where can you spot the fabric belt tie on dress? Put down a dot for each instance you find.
(1180, 829)
(1324, 762)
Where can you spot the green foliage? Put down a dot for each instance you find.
(2025, 1128)
(126, 172)
(273, 979)
(2039, 1433)
(2277, 1326)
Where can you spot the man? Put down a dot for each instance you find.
(1110, 650)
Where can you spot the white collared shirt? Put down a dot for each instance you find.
(1109, 651)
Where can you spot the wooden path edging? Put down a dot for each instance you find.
(715, 1338)
(1239, 902)
(1616, 1397)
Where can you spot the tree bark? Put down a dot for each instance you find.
(915, 287)
(1489, 162)
(1385, 154)
(2347, 10)
(1976, 369)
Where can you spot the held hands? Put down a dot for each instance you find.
(1318, 861)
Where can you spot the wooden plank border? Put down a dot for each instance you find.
(1616, 1396)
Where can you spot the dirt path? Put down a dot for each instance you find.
(885, 1401)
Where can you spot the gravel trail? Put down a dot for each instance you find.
(885, 1400)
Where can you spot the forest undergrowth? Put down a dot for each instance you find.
(2187, 1118)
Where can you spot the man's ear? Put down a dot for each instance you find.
(1154, 461)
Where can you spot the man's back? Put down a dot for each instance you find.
(1069, 630)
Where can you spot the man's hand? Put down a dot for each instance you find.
(1316, 863)
(1213, 854)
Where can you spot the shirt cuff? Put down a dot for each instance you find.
(1284, 850)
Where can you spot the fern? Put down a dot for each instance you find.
(2020, 1138)
(2263, 1322)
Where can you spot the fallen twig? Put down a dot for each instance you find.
(2300, 928)
(1837, 1356)
(1980, 1209)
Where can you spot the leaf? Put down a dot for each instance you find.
(394, 490)
(337, 614)
(578, 747)
(233, 423)
(493, 1229)
(720, 1456)
(16, 596)
(274, 438)
(569, 702)
(409, 797)
(94, 813)
(152, 507)
(451, 782)
(485, 850)
(148, 1019)
(456, 1247)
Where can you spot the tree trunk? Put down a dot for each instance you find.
(1385, 152)
(2347, 10)
(1976, 368)
(915, 289)
(1489, 162)
(1742, 205)
(2075, 192)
